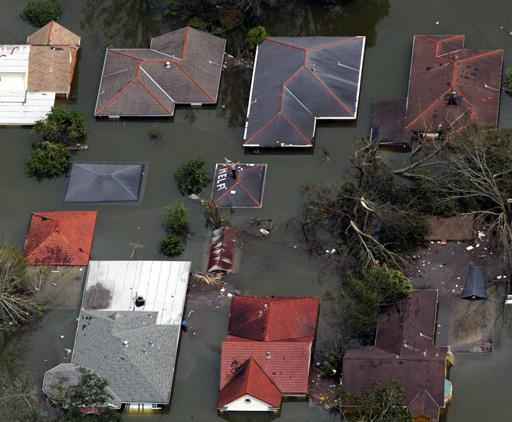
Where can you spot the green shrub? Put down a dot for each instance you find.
(155, 134)
(507, 85)
(192, 177)
(40, 12)
(172, 245)
(63, 126)
(255, 36)
(49, 160)
(331, 365)
(175, 220)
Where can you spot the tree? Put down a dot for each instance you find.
(380, 404)
(192, 177)
(507, 84)
(62, 126)
(40, 12)
(49, 160)
(255, 36)
(172, 245)
(17, 304)
(175, 220)
(363, 295)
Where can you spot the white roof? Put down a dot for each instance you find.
(25, 108)
(162, 284)
(14, 58)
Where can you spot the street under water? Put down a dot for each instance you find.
(271, 266)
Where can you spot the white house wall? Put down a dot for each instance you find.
(248, 403)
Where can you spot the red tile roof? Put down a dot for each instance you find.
(269, 318)
(250, 379)
(286, 363)
(60, 237)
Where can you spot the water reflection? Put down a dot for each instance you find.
(130, 23)
(303, 17)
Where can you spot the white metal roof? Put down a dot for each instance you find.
(24, 108)
(14, 58)
(162, 284)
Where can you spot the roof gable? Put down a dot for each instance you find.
(54, 34)
(250, 379)
(60, 237)
(273, 318)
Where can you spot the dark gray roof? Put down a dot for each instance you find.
(93, 182)
(297, 80)
(180, 67)
(139, 371)
(476, 284)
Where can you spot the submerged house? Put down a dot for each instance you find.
(449, 87)
(267, 354)
(128, 331)
(32, 75)
(180, 67)
(404, 351)
(297, 81)
(57, 238)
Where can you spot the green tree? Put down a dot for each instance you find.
(172, 245)
(49, 160)
(192, 177)
(40, 12)
(362, 296)
(507, 84)
(175, 220)
(381, 404)
(17, 303)
(255, 36)
(63, 126)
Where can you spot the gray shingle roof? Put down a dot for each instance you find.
(180, 67)
(93, 182)
(297, 80)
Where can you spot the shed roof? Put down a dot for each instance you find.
(268, 318)
(54, 34)
(440, 64)
(133, 347)
(60, 237)
(222, 250)
(180, 67)
(250, 379)
(297, 80)
(103, 182)
(475, 286)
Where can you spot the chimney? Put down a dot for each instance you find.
(453, 98)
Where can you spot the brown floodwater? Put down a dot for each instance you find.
(271, 266)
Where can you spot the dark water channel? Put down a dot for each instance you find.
(482, 383)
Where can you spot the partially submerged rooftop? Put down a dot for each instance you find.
(60, 237)
(129, 326)
(449, 87)
(270, 338)
(32, 75)
(404, 351)
(104, 182)
(297, 81)
(180, 67)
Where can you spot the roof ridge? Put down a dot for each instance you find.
(274, 40)
(193, 80)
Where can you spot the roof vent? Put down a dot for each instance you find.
(269, 355)
(140, 301)
(167, 65)
(453, 98)
(125, 343)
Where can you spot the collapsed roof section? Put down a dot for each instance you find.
(297, 81)
(180, 67)
(449, 87)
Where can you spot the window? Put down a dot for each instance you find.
(247, 401)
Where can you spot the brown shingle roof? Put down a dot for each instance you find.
(440, 64)
(180, 67)
(51, 69)
(54, 34)
(403, 352)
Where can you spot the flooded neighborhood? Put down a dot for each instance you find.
(255, 211)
